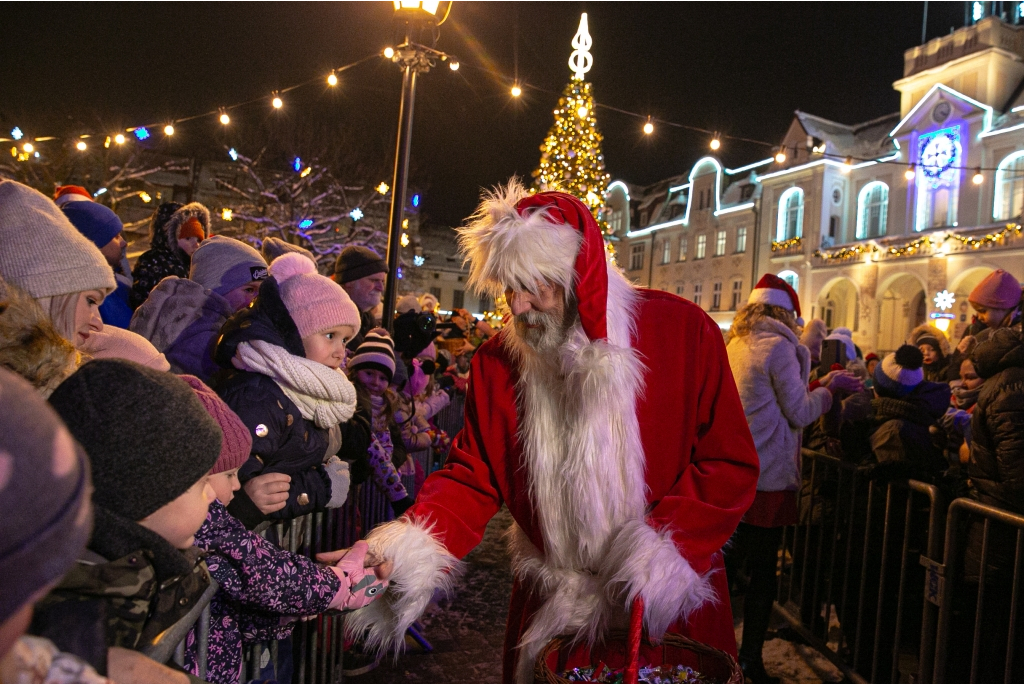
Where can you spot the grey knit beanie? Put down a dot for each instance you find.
(222, 264)
(45, 517)
(146, 433)
(275, 247)
(43, 254)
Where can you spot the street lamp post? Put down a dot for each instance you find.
(413, 59)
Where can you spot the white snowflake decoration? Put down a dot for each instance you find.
(944, 300)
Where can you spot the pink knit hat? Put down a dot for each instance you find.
(314, 302)
(999, 290)
(237, 443)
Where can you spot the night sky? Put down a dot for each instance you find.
(741, 68)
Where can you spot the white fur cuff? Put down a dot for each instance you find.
(649, 564)
(421, 565)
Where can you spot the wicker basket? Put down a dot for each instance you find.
(626, 650)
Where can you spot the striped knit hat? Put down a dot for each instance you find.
(377, 351)
(900, 372)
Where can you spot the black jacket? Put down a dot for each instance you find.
(900, 439)
(996, 468)
(283, 441)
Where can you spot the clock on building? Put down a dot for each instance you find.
(941, 112)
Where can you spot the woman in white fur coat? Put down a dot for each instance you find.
(771, 369)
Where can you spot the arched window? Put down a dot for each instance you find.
(791, 215)
(1009, 195)
(872, 210)
(792, 278)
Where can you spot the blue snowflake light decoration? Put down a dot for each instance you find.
(356, 214)
(233, 154)
(297, 164)
(16, 133)
(305, 223)
(416, 200)
(141, 133)
(418, 260)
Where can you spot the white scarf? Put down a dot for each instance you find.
(322, 394)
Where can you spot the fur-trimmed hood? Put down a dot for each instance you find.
(929, 331)
(163, 229)
(30, 345)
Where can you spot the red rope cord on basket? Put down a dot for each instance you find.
(636, 624)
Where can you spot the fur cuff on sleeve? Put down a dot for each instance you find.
(648, 563)
(421, 565)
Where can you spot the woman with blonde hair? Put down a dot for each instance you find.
(771, 369)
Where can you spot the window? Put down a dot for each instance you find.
(676, 211)
(940, 156)
(697, 290)
(666, 251)
(716, 296)
(1009, 200)
(741, 239)
(737, 294)
(615, 221)
(702, 246)
(458, 299)
(720, 243)
(436, 292)
(683, 245)
(792, 278)
(636, 257)
(872, 210)
(791, 215)
(680, 289)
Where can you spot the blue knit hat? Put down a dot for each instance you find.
(96, 222)
(900, 372)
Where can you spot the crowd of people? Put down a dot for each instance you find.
(182, 406)
(948, 416)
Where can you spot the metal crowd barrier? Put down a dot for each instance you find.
(995, 595)
(850, 581)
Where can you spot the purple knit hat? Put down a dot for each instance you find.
(999, 290)
(314, 302)
(237, 443)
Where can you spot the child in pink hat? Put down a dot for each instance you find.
(996, 298)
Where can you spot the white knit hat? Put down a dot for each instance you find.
(43, 253)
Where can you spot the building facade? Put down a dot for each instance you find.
(880, 226)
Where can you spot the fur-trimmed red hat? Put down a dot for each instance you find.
(516, 240)
(773, 290)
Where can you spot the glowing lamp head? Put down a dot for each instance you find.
(847, 165)
(978, 178)
(119, 139)
(80, 145)
(516, 91)
(224, 118)
(648, 127)
(425, 5)
(715, 142)
(780, 157)
(453, 65)
(168, 130)
(332, 79)
(28, 147)
(389, 52)
(277, 102)
(910, 173)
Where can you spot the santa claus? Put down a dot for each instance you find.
(607, 420)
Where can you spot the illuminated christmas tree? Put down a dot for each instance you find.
(571, 159)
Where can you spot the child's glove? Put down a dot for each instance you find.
(337, 471)
(359, 585)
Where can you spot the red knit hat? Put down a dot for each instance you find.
(237, 443)
(192, 228)
(999, 290)
(67, 194)
(773, 290)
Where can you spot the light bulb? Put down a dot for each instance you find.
(119, 139)
(453, 65)
(81, 145)
(648, 127)
(145, 197)
(277, 102)
(389, 52)
(224, 118)
(780, 156)
(910, 173)
(583, 112)
(516, 91)
(979, 178)
(715, 142)
(332, 79)
(383, 188)
(847, 165)
(28, 147)
(168, 130)
(405, 240)
(226, 214)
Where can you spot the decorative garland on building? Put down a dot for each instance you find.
(785, 244)
(846, 252)
(913, 246)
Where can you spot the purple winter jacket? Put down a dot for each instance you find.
(260, 584)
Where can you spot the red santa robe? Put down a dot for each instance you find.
(624, 457)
